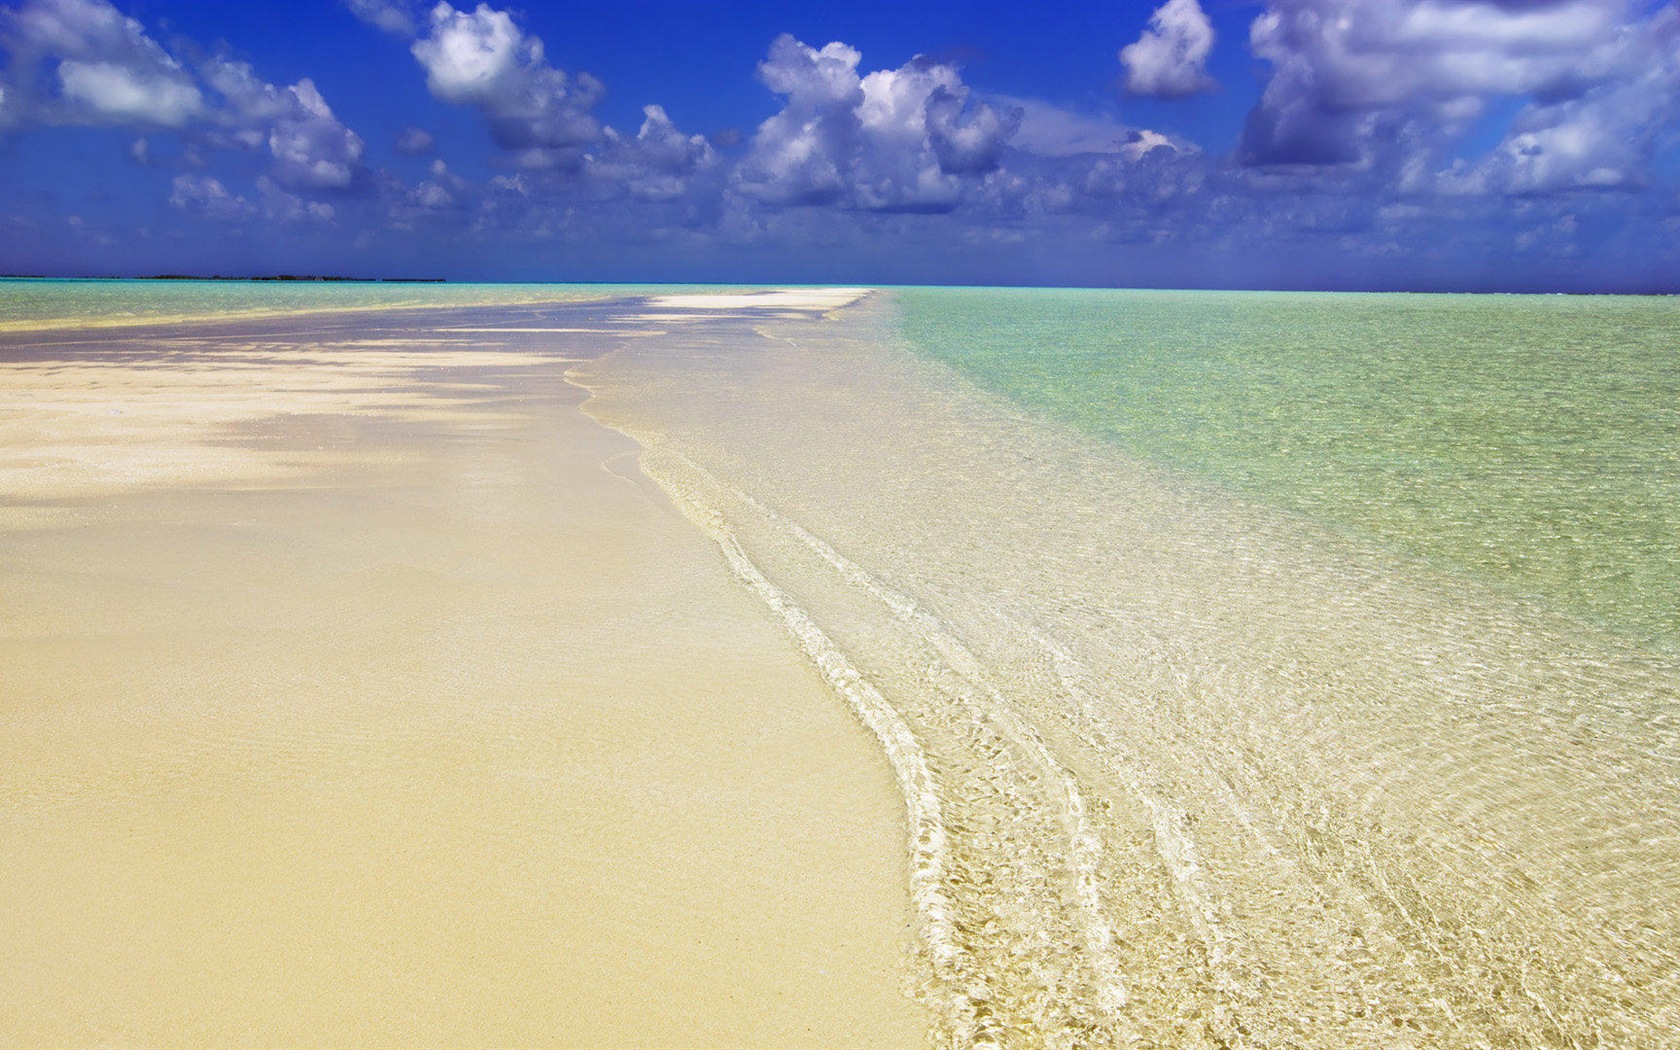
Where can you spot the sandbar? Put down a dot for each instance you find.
(359, 690)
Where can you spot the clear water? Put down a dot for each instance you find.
(1528, 439)
(29, 303)
(1182, 768)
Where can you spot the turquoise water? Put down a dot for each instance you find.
(37, 303)
(1530, 440)
(1181, 768)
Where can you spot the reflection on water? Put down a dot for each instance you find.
(1181, 769)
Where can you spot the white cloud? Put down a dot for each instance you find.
(123, 94)
(247, 99)
(210, 198)
(415, 141)
(391, 16)
(657, 164)
(967, 139)
(438, 201)
(893, 140)
(468, 56)
(310, 147)
(796, 156)
(1603, 139)
(1170, 59)
(1147, 141)
(106, 69)
(1048, 130)
(280, 205)
(482, 59)
(1352, 78)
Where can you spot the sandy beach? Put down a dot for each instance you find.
(728, 670)
(359, 690)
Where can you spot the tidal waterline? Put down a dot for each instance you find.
(34, 304)
(1181, 767)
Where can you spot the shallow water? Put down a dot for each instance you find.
(30, 304)
(1528, 439)
(1182, 767)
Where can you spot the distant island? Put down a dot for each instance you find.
(295, 277)
(220, 277)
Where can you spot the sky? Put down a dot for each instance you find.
(1451, 145)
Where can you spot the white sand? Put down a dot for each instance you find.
(369, 696)
(817, 299)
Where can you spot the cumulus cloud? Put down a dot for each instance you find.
(84, 62)
(894, 140)
(443, 202)
(208, 197)
(968, 140)
(1352, 79)
(1604, 138)
(282, 206)
(415, 141)
(123, 94)
(656, 164)
(1170, 59)
(482, 59)
(797, 155)
(439, 193)
(310, 147)
(1405, 129)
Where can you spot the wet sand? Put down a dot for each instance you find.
(358, 689)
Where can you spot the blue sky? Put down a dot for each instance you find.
(1424, 144)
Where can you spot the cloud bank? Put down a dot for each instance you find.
(82, 62)
(908, 139)
(1397, 138)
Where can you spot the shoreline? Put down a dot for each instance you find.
(1210, 771)
(377, 688)
(724, 297)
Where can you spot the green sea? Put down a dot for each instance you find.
(1530, 440)
(40, 303)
